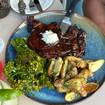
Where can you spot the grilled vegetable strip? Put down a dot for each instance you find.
(57, 67)
(50, 68)
(64, 68)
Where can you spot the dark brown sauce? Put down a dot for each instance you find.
(72, 43)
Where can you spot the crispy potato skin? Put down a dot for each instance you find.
(95, 10)
(71, 75)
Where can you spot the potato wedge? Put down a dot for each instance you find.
(94, 66)
(82, 64)
(58, 83)
(73, 58)
(50, 68)
(57, 67)
(91, 87)
(62, 89)
(85, 73)
(64, 68)
(74, 84)
(73, 72)
(70, 96)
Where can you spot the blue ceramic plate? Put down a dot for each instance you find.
(95, 49)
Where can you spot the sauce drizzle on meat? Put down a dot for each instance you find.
(72, 43)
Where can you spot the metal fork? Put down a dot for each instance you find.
(31, 4)
(38, 5)
(35, 3)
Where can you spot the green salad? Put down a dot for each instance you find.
(27, 71)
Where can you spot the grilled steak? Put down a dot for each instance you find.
(72, 43)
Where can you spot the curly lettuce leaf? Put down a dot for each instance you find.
(27, 72)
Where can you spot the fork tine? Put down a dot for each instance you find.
(38, 5)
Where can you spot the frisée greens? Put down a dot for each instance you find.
(27, 71)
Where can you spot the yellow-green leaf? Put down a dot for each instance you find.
(8, 94)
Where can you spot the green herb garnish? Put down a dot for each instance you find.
(27, 72)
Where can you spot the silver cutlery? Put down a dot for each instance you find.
(38, 5)
(22, 6)
(32, 5)
(66, 22)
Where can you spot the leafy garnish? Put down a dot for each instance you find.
(27, 72)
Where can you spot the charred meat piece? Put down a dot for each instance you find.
(36, 25)
(77, 39)
(54, 27)
(60, 49)
(72, 43)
